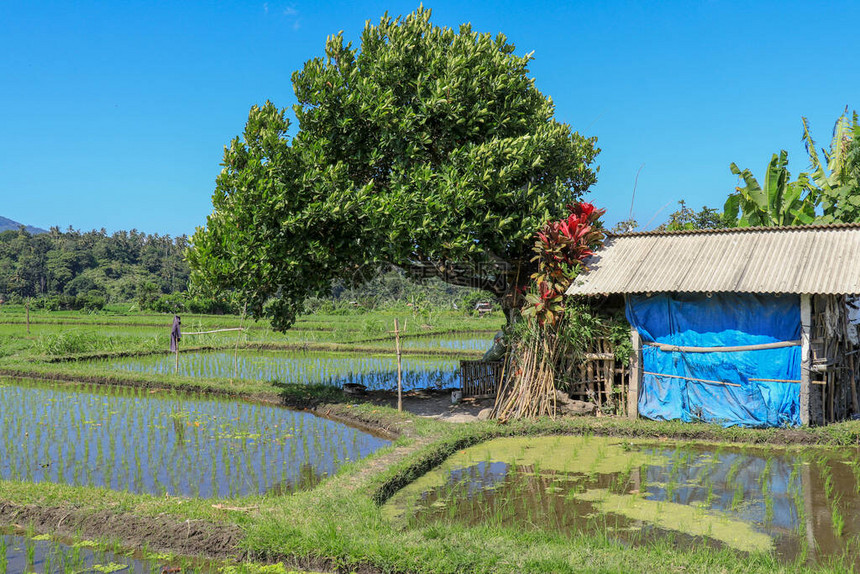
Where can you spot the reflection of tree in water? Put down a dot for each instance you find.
(790, 496)
(308, 477)
(494, 493)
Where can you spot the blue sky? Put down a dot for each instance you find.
(115, 114)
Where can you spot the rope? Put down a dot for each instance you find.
(776, 380)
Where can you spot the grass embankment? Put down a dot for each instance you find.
(339, 524)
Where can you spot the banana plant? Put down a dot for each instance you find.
(779, 202)
(838, 181)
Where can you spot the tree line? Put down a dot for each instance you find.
(87, 270)
(75, 269)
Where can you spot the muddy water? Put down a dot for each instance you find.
(375, 372)
(799, 504)
(173, 443)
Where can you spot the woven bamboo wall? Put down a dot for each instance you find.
(480, 379)
(835, 361)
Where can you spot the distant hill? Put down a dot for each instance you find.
(6, 224)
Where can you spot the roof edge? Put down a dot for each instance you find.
(771, 229)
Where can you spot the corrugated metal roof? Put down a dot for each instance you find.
(815, 259)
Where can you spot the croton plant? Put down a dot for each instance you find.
(560, 248)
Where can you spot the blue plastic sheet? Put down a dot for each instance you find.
(669, 390)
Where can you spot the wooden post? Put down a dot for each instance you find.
(176, 363)
(27, 306)
(236, 348)
(805, 386)
(399, 370)
(635, 375)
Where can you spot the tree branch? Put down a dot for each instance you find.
(492, 277)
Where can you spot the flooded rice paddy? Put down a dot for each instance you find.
(43, 555)
(167, 442)
(800, 504)
(375, 372)
(478, 342)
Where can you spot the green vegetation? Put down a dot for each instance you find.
(85, 270)
(168, 443)
(93, 271)
(829, 194)
(426, 148)
(340, 523)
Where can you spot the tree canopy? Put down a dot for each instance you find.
(92, 265)
(427, 148)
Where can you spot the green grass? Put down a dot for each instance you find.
(339, 524)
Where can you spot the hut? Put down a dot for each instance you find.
(744, 326)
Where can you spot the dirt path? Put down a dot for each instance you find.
(435, 405)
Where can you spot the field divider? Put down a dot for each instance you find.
(345, 348)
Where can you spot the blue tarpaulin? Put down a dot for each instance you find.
(722, 387)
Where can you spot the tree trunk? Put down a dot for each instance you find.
(513, 299)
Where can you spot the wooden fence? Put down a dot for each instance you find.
(598, 378)
(480, 379)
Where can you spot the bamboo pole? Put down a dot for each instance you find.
(27, 306)
(214, 331)
(399, 368)
(733, 349)
(636, 367)
(236, 348)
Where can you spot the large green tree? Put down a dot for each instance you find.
(427, 148)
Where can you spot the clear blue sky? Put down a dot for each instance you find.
(115, 114)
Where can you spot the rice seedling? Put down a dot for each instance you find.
(837, 519)
(166, 443)
(335, 369)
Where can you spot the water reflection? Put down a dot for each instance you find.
(375, 372)
(174, 443)
(796, 503)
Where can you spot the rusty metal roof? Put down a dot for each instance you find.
(815, 259)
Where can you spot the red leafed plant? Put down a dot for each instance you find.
(560, 249)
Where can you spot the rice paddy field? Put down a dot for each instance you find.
(167, 443)
(242, 451)
(20, 553)
(376, 372)
(797, 504)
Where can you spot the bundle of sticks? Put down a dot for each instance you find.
(528, 385)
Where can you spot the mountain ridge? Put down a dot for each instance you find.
(7, 224)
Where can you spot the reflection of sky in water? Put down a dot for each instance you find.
(729, 482)
(791, 496)
(735, 481)
(474, 479)
(304, 368)
(130, 439)
(63, 558)
(470, 344)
